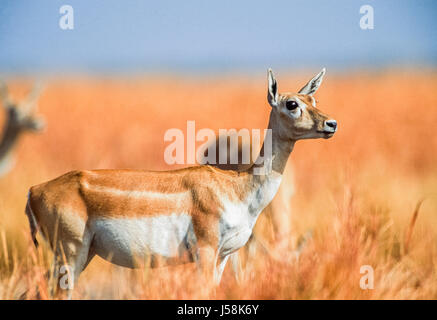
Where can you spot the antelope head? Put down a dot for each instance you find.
(296, 114)
(21, 116)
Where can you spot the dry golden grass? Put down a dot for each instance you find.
(357, 192)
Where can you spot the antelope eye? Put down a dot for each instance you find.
(291, 105)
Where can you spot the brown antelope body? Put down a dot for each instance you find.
(144, 218)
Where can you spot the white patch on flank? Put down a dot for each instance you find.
(138, 194)
(128, 240)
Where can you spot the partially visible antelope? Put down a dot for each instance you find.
(137, 218)
(20, 118)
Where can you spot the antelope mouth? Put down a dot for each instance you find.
(326, 134)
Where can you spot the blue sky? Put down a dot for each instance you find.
(142, 36)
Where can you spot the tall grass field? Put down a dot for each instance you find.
(368, 196)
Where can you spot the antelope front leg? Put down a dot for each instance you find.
(218, 272)
(206, 262)
(211, 265)
(236, 265)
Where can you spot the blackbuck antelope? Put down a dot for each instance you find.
(19, 118)
(139, 218)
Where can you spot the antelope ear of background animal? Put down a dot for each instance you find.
(4, 95)
(311, 87)
(272, 95)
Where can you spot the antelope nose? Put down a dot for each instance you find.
(331, 123)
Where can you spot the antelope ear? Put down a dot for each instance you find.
(4, 95)
(272, 94)
(311, 87)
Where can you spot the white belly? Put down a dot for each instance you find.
(130, 242)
